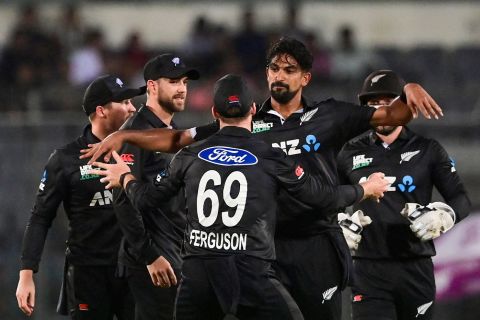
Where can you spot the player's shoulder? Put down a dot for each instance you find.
(136, 122)
(359, 141)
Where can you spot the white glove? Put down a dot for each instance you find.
(428, 222)
(352, 226)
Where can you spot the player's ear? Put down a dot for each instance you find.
(253, 109)
(215, 113)
(100, 112)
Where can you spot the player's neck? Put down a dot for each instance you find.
(160, 112)
(100, 131)
(389, 139)
(286, 109)
(245, 123)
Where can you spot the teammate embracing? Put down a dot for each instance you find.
(393, 270)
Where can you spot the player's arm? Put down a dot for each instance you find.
(143, 196)
(129, 219)
(158, 139)
(447, 181)
(402, 109)
(50, 194)
(316, 192)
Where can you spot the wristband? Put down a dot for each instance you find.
(122, 178)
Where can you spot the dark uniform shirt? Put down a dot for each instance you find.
(414, 165)
(155, 232)
(313, 137)
(231, 183)
(93, 233)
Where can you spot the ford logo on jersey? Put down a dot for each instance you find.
(226, 156)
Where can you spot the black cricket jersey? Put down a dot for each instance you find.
(155, 232)
(232, 181)
(93, 233)
(313, 136)
(414, 165)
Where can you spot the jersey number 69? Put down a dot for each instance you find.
(238, 202)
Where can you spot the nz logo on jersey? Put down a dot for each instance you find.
(227, 156)
(290, 147)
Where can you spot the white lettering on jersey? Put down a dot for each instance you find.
(102, 198)
(289, 147)
(360, 161)
(219, 241)
(391, 181)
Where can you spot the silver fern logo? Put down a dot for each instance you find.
(327, 295)
(308, 115)
(407, 156)
(423, 308)
(376, 78)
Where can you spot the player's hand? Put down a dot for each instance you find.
(430, 221)
(112, 142)
(162, 273)
(26, 292)
(375, 186)
(111, 172)
(419, 100)
(352, 227)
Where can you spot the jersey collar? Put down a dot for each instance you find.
(234, 131)
(154, 121)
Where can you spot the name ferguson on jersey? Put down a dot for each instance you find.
(219, 241)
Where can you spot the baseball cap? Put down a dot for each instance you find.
(231, 97)
(168, 66)
(381, 82)
(107, 89)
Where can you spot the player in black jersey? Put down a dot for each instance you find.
(312, 134)
(152, 239)
(232, 182)
(90, 285)
(393, 267)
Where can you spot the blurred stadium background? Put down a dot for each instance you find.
(50, 50)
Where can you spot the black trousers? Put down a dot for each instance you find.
(151, 302)
(393, 290)
(95, 293)
(237, 287)
(314, 270)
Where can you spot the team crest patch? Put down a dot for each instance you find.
(260, 126)
(360, 161)
(227, 156)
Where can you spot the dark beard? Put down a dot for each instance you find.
(169, 106)
(385, 130)
(282, 97)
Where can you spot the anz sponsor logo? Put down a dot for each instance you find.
(227, 156)
(102, 198)
(406, 184)
(290, 147)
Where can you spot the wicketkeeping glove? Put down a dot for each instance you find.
(428, 222)
(352, 227)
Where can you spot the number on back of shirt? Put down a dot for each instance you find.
(236, 202)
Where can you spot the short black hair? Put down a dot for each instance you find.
(294, 48)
